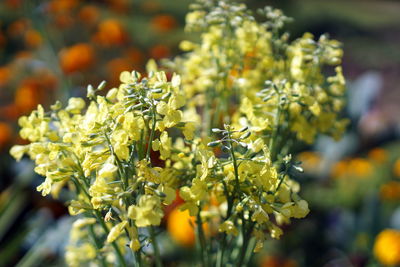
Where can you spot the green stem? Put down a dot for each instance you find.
(123, 177)
(235, 166)
(155, 247)
(113, 244)
(221, 252)
(249, 252)
(246, 236)
(244, 244)
(97, 244)
(153, 127)
(273, 141)
(202, 239)
(138, 258)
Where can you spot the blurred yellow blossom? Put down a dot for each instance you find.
(387, 247)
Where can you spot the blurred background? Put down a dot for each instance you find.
(52, 49)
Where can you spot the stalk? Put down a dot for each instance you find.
(153, 128)
(97, 244)
(202, 239)
(120, 257)
(155, 247)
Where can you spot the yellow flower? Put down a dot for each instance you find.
(229, 228)
(134, 244)
(188, 130)
(387, 247)
(18, 151)
(148, 212)
(45, 187)
(75, 256)
(116, 231)
(300, 209)
(172, 116)
(169, 192)
(108, 170)
(133, 125)
(163, 145)
(119, 140)
(75, 105)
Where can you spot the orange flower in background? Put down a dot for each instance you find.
(151, 6)
(9, 112)
(180, 226)
(76, 58)
(5, 134)
(115, 67)
(163, 23)
(387, 247)
(62, 6)
(34, 90)
(360, 167)
(273, 261)
(27, 96)
(5, 75)
(356, 167)
(135, 56)
(121, 6)
(63, 21)
(33, 39)
(159, 51)
(390, 191)
(339, 169)
(14, 3)
(310, 160)
(378, 155)
(3, 40)
(396, 168)
(89, 14)
(110, 32)
(23, 55)
(18, 27)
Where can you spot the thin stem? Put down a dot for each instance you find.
(97, 244)
(273, 141)
(202, 239)
(249, 252)
(140, 145)
(235, 166)
(138, 258)
(153, 127)
(244, 244)
(246, 236)
(221, 252)
(155, 247)
(113, 244)
(123, 177)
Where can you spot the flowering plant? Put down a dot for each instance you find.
(220, 134)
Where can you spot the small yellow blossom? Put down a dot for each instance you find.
(116, 231)
(148, 211)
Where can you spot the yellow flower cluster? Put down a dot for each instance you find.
(222, 131)
(279, 82)
(103, 152)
